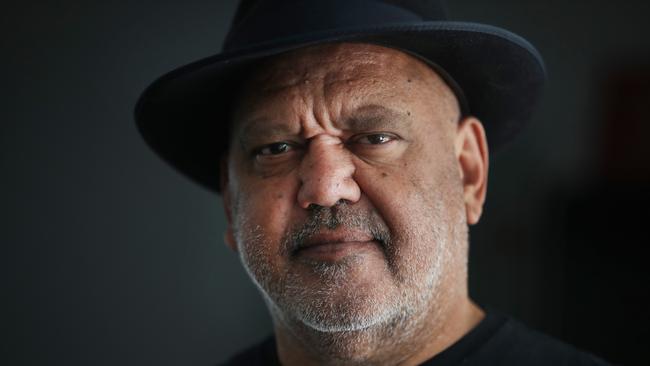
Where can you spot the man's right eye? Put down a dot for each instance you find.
(274, 149)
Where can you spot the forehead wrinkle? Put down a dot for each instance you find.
(326, 79)
(374, 116)
(323, 63)
(264, 127)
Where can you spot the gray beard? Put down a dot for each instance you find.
(333, 307)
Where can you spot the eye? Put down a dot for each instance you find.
(375, 138)
(274, 149)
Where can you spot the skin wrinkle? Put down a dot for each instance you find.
(281, 77)
(374, 308)
(366, 117)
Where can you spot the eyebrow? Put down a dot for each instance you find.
(364, 118)
(262, 127)
(374, 116)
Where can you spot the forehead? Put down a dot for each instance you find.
(342, 59)
(341, 75)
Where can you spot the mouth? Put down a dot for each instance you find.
(335, 246)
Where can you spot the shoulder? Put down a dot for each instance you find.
(263, 353)
(516, 344)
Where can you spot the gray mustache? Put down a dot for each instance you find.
(340, 215)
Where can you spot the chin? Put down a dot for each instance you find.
(345, 310)
(354, 337)
(351, 321)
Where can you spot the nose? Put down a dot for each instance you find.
(327, 174)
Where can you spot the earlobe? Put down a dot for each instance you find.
(472, 154)
(228, 236)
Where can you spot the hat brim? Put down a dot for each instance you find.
(184, 114)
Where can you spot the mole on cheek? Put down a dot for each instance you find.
(384, 174)
(279, 196)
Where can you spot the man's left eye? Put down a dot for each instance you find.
(375, 139)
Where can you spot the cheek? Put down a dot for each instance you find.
(417, 198)
(263, 211)
(396, 189)
(261, 222)
(267, 210)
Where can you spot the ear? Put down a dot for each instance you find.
(228, 236)
(472, 154)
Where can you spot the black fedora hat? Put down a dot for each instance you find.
(184, 114)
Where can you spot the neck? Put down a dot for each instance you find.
(404, 342)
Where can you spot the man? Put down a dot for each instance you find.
(348, 139)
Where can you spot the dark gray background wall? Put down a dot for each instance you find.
(111, 258)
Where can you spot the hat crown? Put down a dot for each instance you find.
(183, 115)
(261, 21)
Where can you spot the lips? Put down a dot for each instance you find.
(334, 245)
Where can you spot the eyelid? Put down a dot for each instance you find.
(258, 151)
(293, 146)
(391, 137)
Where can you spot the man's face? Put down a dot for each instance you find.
(346, 191)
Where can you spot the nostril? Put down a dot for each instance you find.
(314, 207)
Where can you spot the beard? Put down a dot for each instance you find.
(345, 296)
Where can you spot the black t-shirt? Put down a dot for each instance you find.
(496, 340)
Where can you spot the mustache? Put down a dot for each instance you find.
(341, 215)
